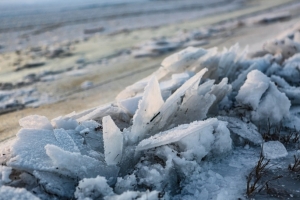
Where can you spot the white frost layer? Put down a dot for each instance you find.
(274, 149)
(113, 141)
(15, 194)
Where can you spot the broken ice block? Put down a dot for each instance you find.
(274, 149)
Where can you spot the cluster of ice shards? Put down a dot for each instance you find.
(155, 139)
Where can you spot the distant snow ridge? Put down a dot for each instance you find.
(164, 136)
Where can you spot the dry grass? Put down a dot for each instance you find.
(256, 180)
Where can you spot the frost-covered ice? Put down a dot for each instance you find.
(274, 149)
(193, 129)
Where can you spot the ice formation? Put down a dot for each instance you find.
(190, 130)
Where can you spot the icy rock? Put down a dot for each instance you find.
(65, 123)
(35, 122)
(93, 188)
(7, 192)
(153, 195)
(113, 141)
(183, 59)
(247, 131)
(82, 166)
(264, 99)
(274, 149)
(148, 107)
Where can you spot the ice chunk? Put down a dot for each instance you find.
(28, 150)
(274, 149)
(245, 130)
(253, 89)
(35, 122)
(113, 141)
(56, 183)
(7, 192)
(176, 134)
(222, 142)
(130, 104)
(219, 91)
(180, 61)
(82, 166)
(264, 99)
(64, 122)
(65, 141)
(93, 188)
(129, 182)
(164, 117)
(5, 173)
(99, 113)
(148, 108)
(195, 105)
(210, 61)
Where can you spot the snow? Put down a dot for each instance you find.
(7, 192)
(98, 187)
(274, 150)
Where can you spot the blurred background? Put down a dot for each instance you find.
(57, 57)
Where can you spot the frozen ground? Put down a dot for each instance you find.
(207, 124)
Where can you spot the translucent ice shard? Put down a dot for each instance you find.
(148, 108)
(77, 165)
(113, 141)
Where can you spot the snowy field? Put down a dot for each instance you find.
(208, 124)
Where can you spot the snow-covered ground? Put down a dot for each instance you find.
(207, 124)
